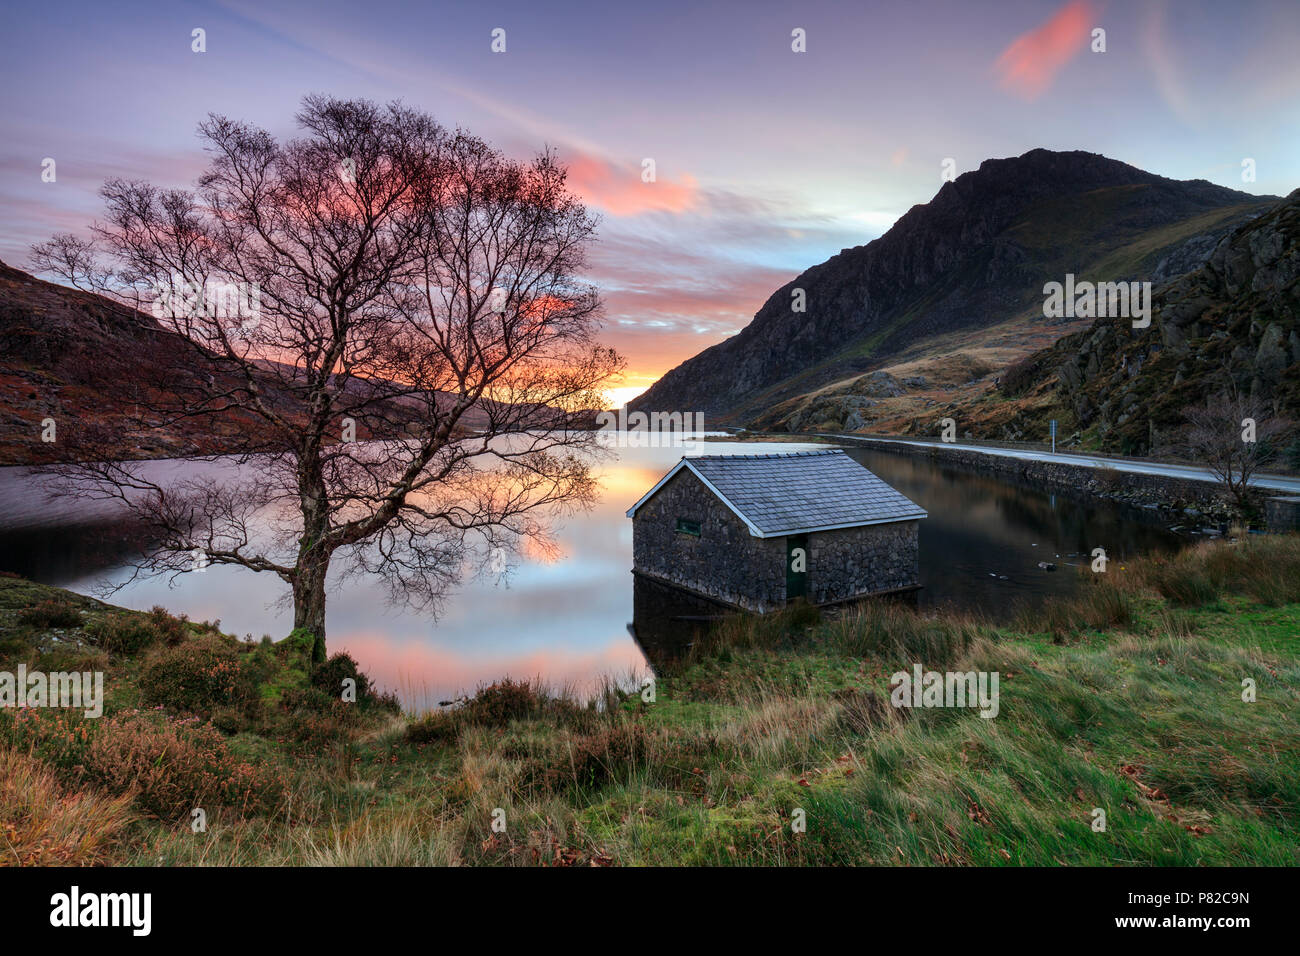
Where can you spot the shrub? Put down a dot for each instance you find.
(72, 657)
(309, 715)
(171, 767)
(496, 705)
(230, 720)
(61, 738)
(330, 675)
(126, 634)
(170, 630)
(196, 676)
(316, 729)
(310, 700)
(438, 727)
(53, 612)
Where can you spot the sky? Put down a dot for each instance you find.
(767, 160)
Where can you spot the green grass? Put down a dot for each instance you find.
(1122, 699)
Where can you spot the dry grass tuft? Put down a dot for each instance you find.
(42, 824)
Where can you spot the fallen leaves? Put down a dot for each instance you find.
(1161, 804)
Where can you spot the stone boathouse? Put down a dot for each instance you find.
(758, 531)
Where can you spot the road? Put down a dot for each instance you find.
(1270, 482)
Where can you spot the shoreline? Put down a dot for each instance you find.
(1179, 503)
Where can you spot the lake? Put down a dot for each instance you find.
(565, 620)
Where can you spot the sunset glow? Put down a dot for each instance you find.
(765, 161)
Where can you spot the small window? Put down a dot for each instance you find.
(687, 526)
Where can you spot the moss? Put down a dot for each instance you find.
(295, 654)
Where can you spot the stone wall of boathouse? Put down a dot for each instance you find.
(729, 564)
(851, 562)
(725, 562)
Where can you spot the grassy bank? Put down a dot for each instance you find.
(1127, 698)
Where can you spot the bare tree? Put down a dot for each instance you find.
(1233, 434)
(392, 282)
(72, 259)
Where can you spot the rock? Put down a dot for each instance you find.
(1271, 357)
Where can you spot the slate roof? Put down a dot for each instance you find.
(796, 492)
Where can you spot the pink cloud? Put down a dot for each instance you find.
(620, 192)
(1033, 59)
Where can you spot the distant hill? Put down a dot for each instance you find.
(82, 359)
(63, 353)
(966, 268)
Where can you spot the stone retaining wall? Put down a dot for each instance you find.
(1171, 496)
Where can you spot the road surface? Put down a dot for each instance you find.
(1279, 483)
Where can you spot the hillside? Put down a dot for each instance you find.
(1122, 389)
(85, 361)
(970, 263)
(79, 358)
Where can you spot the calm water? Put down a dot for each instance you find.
(566, 621)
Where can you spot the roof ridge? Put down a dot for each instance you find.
(766, 455)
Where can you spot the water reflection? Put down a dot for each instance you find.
(667, 621)
(566, 621)
(984, 539)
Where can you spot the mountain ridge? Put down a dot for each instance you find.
(970, 257)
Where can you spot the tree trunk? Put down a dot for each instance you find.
(313, 555)
(309, 604)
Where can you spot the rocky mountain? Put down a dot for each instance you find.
(1125, 389)
(978, 254)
